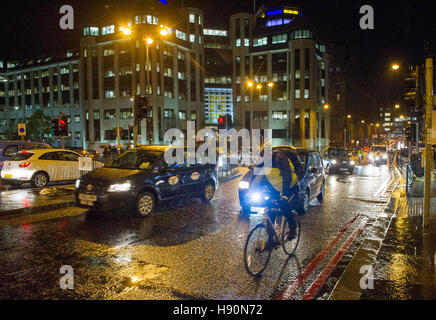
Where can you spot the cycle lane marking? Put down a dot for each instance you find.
(322, 277)
(293, 287)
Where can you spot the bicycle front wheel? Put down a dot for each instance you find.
(257, 250)
(291, 244)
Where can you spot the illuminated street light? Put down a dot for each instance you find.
(377, 125)
(270, 84)
(250, 84)
(326, 106)
(401, 117)
(163, 32)
(149, 40)
(349, 116)
(397, 106)
(395, 67)
(259, 86)
(126, 31)
(363, 121)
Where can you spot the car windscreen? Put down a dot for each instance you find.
(135, 160)
(339, 153)
(378, 149)
(20, 156)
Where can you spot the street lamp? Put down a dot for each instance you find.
(397, 106)
(326, 107)
(395, 67)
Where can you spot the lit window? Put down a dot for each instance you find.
(180, 35)
(214, 32)
(260, 41)
(297, 94)
(246, 42)
(109, 94)
(108, 30)
(238, 42)
(192, 17)
(281, 38)
(192, 38)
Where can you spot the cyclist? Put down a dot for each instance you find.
(282, 178)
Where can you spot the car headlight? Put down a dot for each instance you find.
(255, 197)
(385, 156)
(244, 185)
(352, 162)
(77, 183)
(119, 187)
(370, 156)
(333, 161)
(377, 158)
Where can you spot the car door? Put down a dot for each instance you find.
(50, 163)
(69, 162)
(312, 176)
(171, 180)
(320, 173)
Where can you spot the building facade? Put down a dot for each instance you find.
(114, 67)
(281, 76)
(51, 84)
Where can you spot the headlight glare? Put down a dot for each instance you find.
(255, 197)
(244, 185)
(121, 187)
(77, 183)
(333, 161)
(352, 162)
(385, 156)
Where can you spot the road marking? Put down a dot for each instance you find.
(293, 287)
(322, 277)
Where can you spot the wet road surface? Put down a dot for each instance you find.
(186, 250)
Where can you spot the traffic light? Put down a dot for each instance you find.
(141, 107)
(55, 126)
(63, 126)
(225, 122)
(409, 134)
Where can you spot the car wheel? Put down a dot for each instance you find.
(39, 180)
(321, 194)
(207, 192)
(145, 204)
(303, 204)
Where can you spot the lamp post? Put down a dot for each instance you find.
(148, 41)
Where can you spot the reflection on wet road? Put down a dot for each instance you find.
(186, 250)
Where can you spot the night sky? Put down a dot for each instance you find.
(31, 28)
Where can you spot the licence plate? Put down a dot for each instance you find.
(87, 197)
(87, 203)
(7, 175)
(257, 209)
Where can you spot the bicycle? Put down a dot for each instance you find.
(266, 236)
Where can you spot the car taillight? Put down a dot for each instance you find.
(24, 164)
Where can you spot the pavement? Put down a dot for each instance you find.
(397, 261)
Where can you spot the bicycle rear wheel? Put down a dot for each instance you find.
(257, 250)
(290, 245)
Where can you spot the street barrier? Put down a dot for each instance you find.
(87, 164)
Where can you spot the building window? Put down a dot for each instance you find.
(109, 113)
(108, 30)
(192, 38)
(301, 34)
(180, 35)
(169, 113)
(246, 42)
(182, 115)
(281, 38)
(126, 113)
(238, 42)
(77, 119)
(109, 94)
(260, 41)
(214, 32)
(279, 115)
(192, 17)
(193, 115)
(108, 52)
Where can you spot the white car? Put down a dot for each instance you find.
(39, 166)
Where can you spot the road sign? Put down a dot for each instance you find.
(85, 163)
(21, 129)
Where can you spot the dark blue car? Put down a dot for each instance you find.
(310, 172)
(140, 178)
(10, 148)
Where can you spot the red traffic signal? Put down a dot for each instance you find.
(220, 119)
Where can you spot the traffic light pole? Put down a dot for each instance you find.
(428, 129)
(135, 130)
